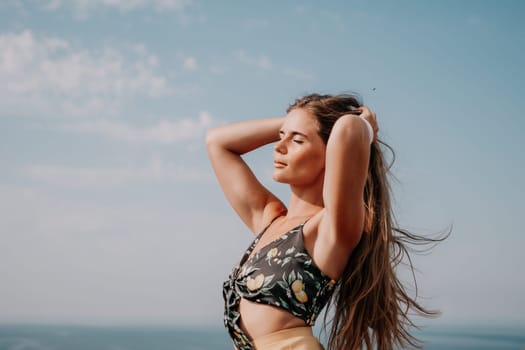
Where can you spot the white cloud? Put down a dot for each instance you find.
(52, 76)
(79, 260)
(164, 131)
(84, 7)
(53, 4)
(297, 74)
(261, 62)
(190, 64)
(157, 171)
(218, 69)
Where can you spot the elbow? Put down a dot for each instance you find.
(350, 130)
(211, 138)
(217, 140)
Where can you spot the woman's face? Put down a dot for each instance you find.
(299, 156)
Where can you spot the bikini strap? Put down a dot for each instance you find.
(267, 226)
(254, 243)
(305, 221)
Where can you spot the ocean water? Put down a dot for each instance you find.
(479, 338)
(69, 337)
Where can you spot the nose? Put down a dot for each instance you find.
(280, 147)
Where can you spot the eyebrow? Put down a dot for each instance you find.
(294, 133)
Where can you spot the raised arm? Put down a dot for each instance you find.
(347, 158)
(254, 204)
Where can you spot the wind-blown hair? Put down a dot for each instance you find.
(370, 304)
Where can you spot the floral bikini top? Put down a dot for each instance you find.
(281, 274)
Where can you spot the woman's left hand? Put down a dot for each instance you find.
(369, 116)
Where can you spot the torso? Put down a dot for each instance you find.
(276, 319)
(259, 319)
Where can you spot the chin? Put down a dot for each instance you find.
(278, 178)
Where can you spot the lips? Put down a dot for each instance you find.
(279, 164)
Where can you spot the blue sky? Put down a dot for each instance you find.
(110, 212)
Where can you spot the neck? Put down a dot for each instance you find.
(304, 202)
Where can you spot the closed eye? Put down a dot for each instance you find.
(300, 140)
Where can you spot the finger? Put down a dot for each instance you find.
(363, 109)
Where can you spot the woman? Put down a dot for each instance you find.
(334, 241)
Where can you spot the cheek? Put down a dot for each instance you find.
(311, 161)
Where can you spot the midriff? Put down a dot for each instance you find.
(258, 320)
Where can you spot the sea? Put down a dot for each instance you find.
(76, 337)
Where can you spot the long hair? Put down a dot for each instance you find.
(371, 305)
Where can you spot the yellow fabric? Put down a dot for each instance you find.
(299, 338)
